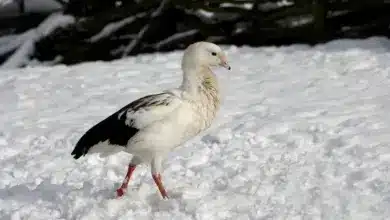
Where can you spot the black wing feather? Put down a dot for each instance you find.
(113, 128)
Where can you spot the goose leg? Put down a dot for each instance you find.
(156, 170)
(132, 165)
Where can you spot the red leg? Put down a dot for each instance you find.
(123, 188)
(157, 180)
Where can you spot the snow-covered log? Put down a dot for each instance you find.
(24, 43)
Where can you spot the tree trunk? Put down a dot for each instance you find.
(21, 6)
(319, 11)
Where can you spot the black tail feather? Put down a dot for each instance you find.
(113, 129)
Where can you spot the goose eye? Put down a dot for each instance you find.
(214, 53)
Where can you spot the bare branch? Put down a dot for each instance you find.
(61, 2)
(175, 37)
(112, 27)
(134, 42)
(21, 6)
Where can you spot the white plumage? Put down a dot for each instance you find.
(150, 127)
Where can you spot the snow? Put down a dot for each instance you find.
(303, 133)
(9, 43)
(296, 21)
(247, 6)
(11, 8)
(204, 13)
(24, 43)
(42, 5)
(275, 5)
(5, 2)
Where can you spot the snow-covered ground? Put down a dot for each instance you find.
(303, 133)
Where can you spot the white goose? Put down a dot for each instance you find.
(150, 127)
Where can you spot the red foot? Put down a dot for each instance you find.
(120, 192)
(157, 180)
(122, 189)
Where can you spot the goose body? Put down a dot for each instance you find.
(152, 126)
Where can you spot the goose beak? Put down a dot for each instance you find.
(224, 63)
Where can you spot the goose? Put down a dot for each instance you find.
(152, 126)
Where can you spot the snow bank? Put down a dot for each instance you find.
(24, 43)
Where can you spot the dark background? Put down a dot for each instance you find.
(145, 26)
